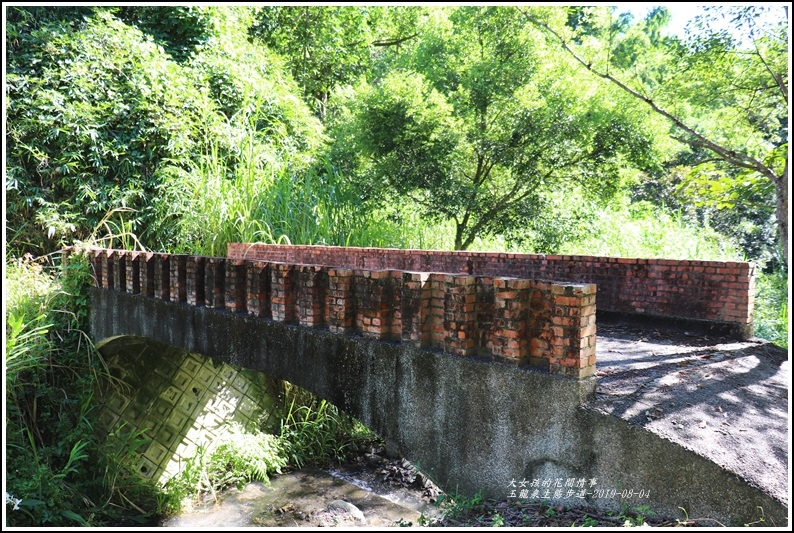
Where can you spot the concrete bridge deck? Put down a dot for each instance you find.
(725, 400)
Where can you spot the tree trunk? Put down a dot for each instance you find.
(458, 240)
(781, 190)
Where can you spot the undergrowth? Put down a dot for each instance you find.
(60, 471)
(312, 432)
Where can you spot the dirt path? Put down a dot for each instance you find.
(725, 400)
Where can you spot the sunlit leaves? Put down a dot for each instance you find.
(99, 110)
(325, 45)
(707, 185)
(480, 117)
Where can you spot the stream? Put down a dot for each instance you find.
(352, 495)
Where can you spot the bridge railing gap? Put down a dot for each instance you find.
(215, 282)
(146, 262)
(162, 276)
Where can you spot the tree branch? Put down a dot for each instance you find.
(395, 41)
(432, 206)
(750, 165)
(777, 77)
(503, 203)
(727, 154)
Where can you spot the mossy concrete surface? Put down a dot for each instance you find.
(174, 401)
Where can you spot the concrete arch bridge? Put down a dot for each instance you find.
(480, 367)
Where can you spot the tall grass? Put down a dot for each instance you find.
(59, 470)
(317, 432)
(649, 231)
(645, 230)
(771, 317)
(239, 190)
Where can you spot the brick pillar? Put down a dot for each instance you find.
(282, 293)
(120, 270)
(485, 314)
(258, 289)
(510, 342)
(540, 324)
(310, 284)
(749, 300)
(434, 325)
(460, 315)
(235, 284)
(412, 307)
(214, 281)
(372, 289)
(178, 278)
(146, 271)
(339, 309)
(133, 276)
(162, 277)
(573, 342)
(107, 269)
(195, 279)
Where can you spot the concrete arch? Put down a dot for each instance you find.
(170, 402)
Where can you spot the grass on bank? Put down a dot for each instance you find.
(479, 511)
(60, 471)
(312, 432)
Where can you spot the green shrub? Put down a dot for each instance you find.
(59, 471)
(316, 432)
(771, 317)
(89, 126)
(237, 457)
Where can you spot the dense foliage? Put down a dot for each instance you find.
(475, 123)
(100, 116)
(59, 470)
(723, 90)
(182, 128)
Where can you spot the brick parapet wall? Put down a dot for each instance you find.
(514, 321)
(712, 291)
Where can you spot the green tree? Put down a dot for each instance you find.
(328, 46)
(723, 90)
(477, 121)
(100, 117)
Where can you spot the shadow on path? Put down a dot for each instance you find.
(725, 400)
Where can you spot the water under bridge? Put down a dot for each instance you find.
(478, 367)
